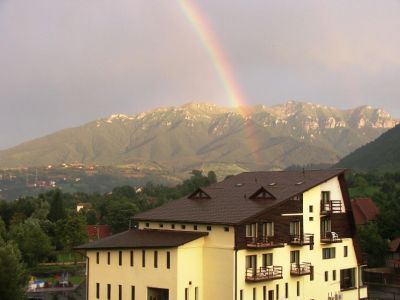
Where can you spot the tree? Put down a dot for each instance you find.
(57, 210)
(13, 276)
(3, 230)
(32, 241)
(72, 231)
(372, 244)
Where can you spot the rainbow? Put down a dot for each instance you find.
(215, 52)
(222, 67)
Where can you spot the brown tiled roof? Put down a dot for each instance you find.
(145, 238)
(394, 245)
(230, 203)
(364, 210)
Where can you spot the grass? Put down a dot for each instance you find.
(64, 257)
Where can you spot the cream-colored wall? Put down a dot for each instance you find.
(190, 269)
(128, 276)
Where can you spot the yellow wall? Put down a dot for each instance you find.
(128, 276)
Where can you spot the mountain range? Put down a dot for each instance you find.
(207, 136)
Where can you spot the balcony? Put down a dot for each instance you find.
(301, 239)
(331, 207)
(297, 269)
(264, 274)
(330, 237)
(263, 242)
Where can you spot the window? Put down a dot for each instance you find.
(251, 230)
(120, 258)
(147, 225)
(254, 294)
(168, 260)
(108, 257)
(267, 260)
(286, 290)
(334, 275)
(264, 292)
(131, 258)
(241, 294)
(143, 258)
(209, 228)
(161, 225)
(326, 227)
(155, 259)
(347, 278)
(183, 226)
(97, 290)
(326, 275)
(277, 291)
(297, 197)
(226, 229)
(108, 291)
(119, 292)
(97, 257)
(295, 228)
(311, 218)
(325, 196)
(295, 256)
(172, 226)
(195, 227)
(298, 289)
(268, 229)
(345, 251)
(196, 293)
(312, 273)
(310, 208)
(251, 262)
(328, 253)
(132, 292)
(186, 294)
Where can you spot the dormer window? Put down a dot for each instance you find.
(199, 194)
(262, 193)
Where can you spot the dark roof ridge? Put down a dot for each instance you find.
(288, 198)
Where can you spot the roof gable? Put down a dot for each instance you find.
(262, 193)
(199, 194)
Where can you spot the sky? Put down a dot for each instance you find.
(64, 63)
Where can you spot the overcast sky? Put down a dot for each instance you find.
(66, 62)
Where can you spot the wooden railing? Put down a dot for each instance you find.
(263, 242)
(330, 237)
(264, 273)
(301, 239)
(298, 269)
(331, 206)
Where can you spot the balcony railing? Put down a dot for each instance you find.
(330, 237)
(298, 269)
(264, 273)
(263, 242)
(301, 239)
(331, 206)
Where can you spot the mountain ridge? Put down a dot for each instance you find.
(186, 136)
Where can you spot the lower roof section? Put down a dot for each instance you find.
(144, 238)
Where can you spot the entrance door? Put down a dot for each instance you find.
(270, 295)
(157, 294)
